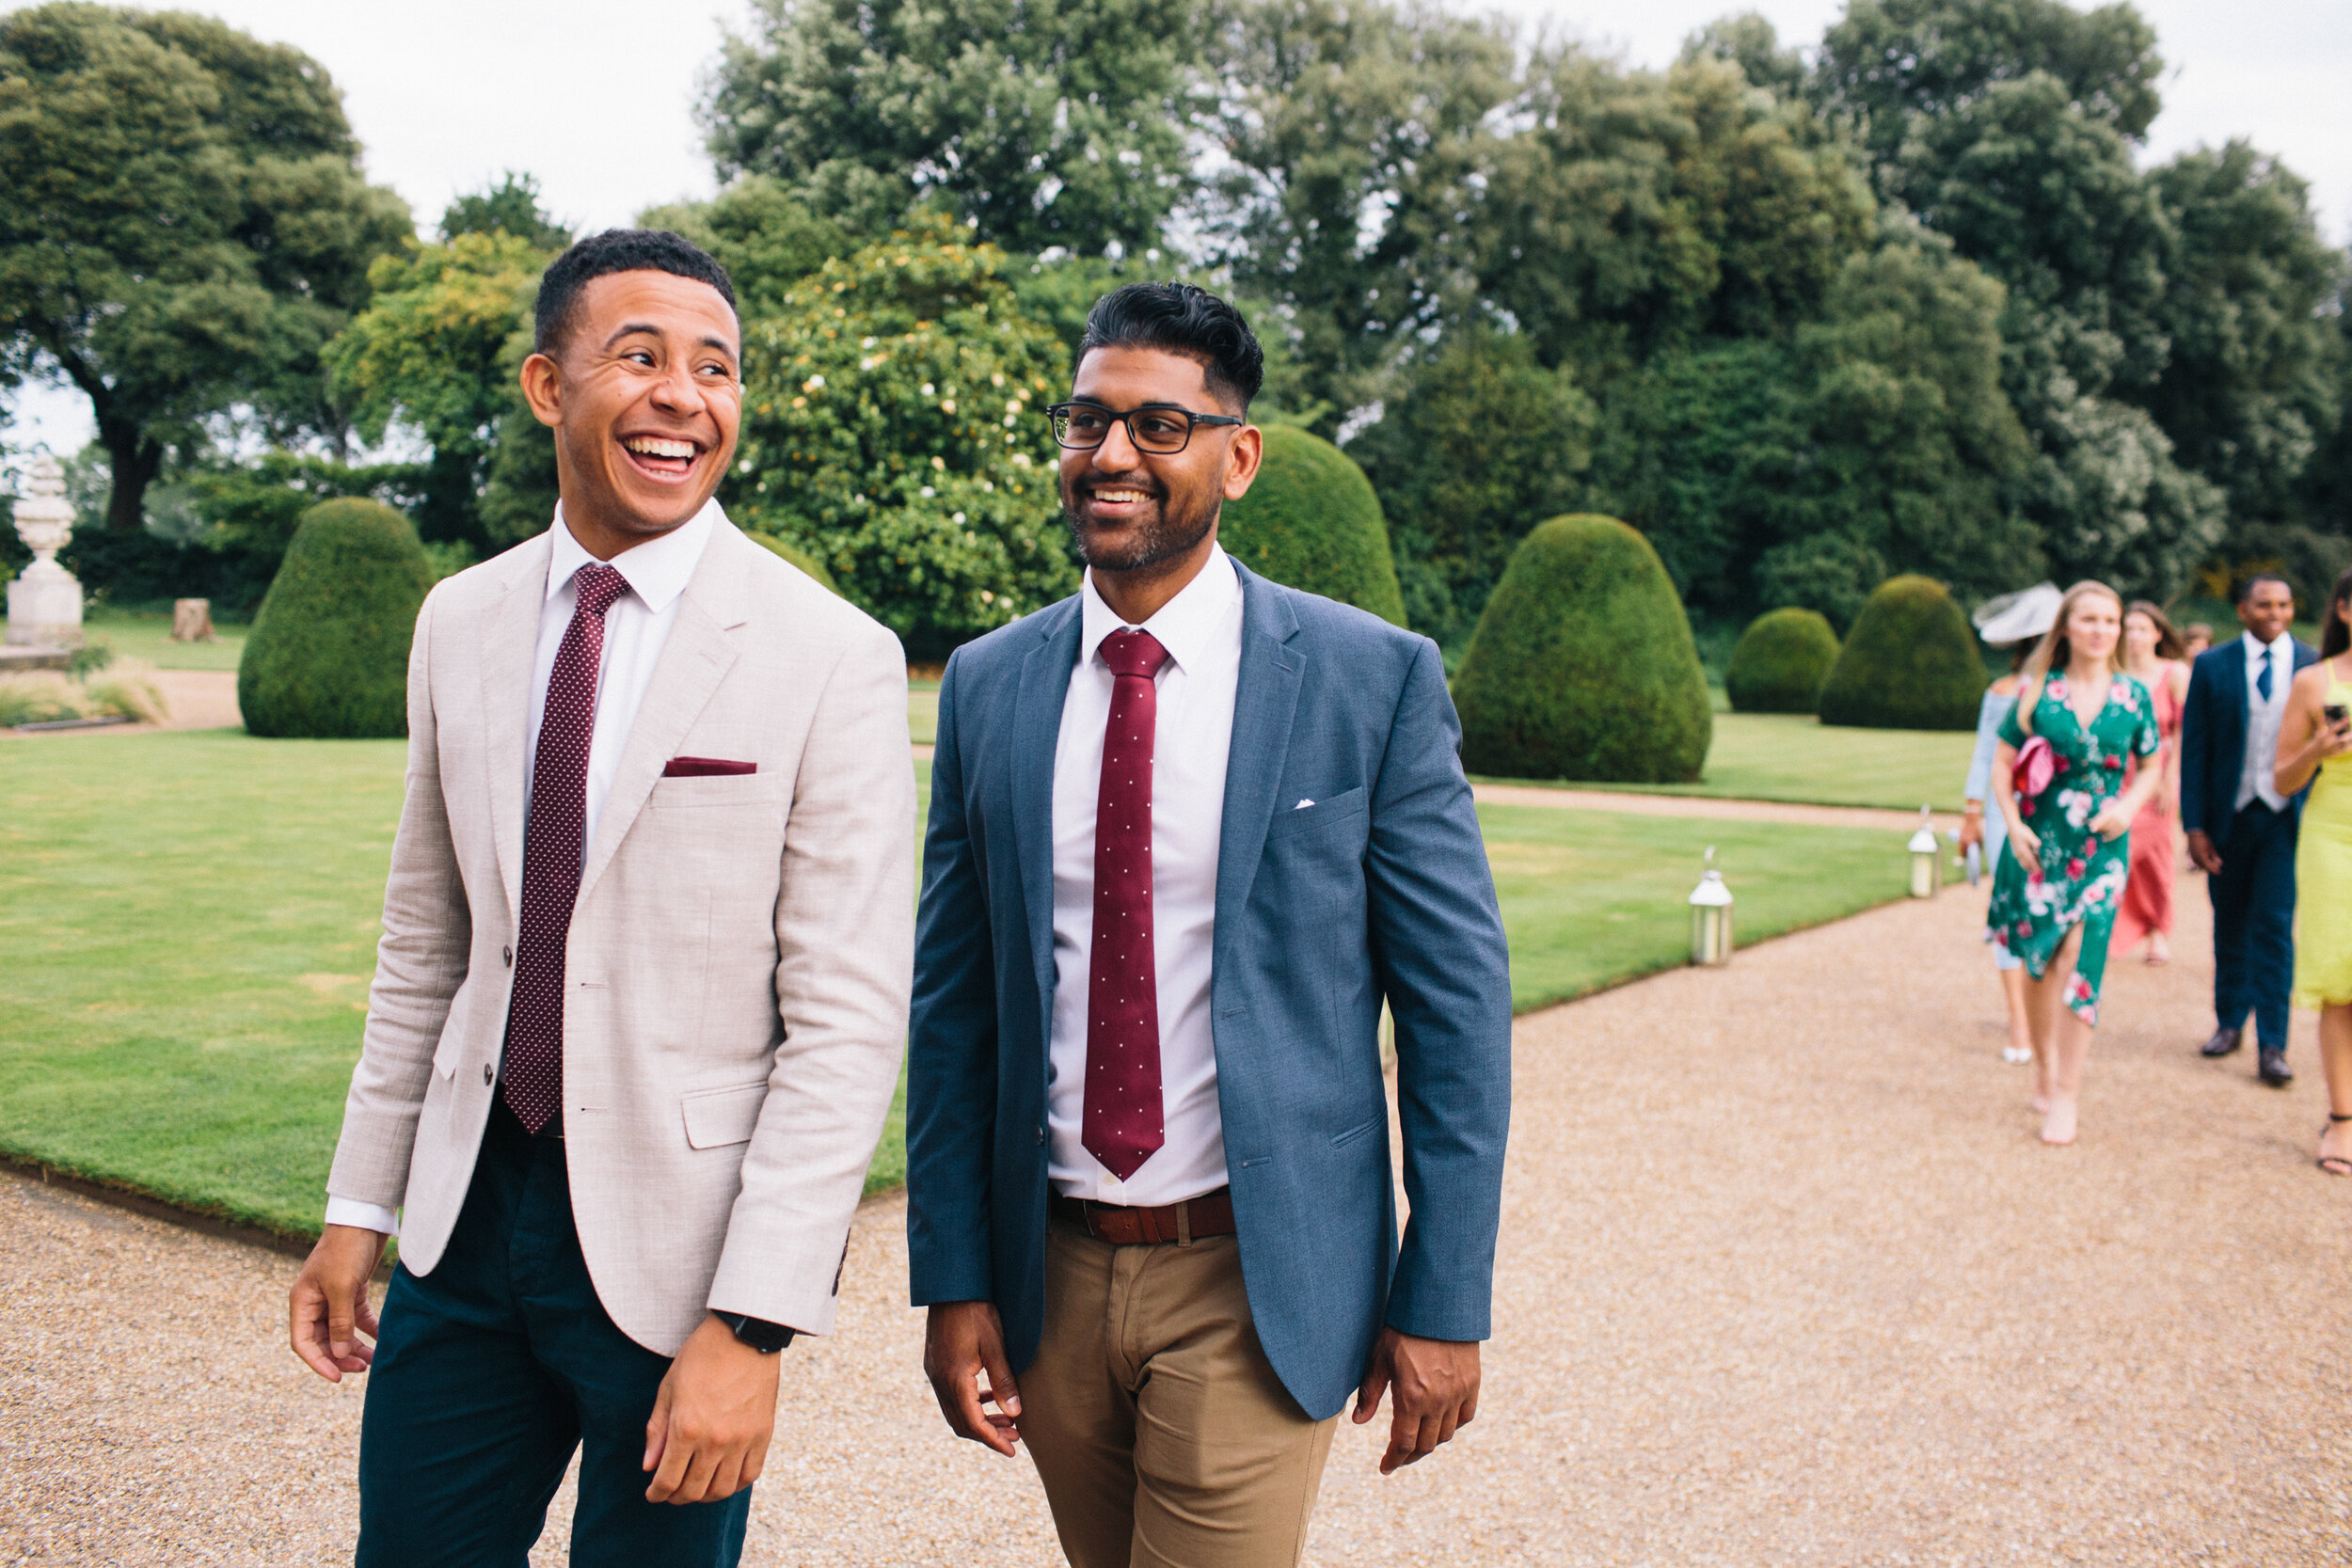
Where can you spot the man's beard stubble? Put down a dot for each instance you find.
(1166, 537)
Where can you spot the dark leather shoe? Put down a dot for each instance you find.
(2223, 1043)
(2274, 1068)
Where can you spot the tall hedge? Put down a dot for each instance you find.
(1583, 666)
(1910, 663)
(1311, 521)
(328, 653)
(1782, 659)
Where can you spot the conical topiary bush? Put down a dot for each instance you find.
(1582, 665)
(1910, 663)
(1782, 659)
(1311, 521)
(328, 653)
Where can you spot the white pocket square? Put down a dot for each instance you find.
(1302, 805)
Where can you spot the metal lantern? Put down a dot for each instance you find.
(1926, 857)
(1710, 916)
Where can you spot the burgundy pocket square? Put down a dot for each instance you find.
(705, 768)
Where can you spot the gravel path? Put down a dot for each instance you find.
(1785, 1279)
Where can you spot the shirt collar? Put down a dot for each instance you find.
(1187, 626)
(2255, 647)
(656, 571)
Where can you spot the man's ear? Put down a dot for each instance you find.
(1241, 469)
(543, 388)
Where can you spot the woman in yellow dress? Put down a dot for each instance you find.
(2316, 735)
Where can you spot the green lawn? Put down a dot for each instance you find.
(1779, 757)
(146, 635)
(190, 922)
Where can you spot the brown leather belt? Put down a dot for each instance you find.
(1210, 1214)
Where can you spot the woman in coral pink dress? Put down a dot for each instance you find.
(2153, 656)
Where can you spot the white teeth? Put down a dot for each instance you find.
(653, 446)
(1119, 494)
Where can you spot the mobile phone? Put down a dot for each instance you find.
(2338, 712)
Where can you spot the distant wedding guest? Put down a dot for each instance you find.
(2316, 750)
(2151, 656)
(2018, 622)
(2195, 639)
(2241, 828)
(2058, 777)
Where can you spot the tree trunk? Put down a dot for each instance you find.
(136, 461)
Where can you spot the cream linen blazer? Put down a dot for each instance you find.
(735, 1001)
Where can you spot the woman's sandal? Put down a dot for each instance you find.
(2334, 1165)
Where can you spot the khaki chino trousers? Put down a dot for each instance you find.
(1161, 1432)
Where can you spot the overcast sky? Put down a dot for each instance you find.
(595, 97)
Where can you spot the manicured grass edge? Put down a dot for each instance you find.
(1686, 792)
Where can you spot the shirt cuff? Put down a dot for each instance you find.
(366, 1216)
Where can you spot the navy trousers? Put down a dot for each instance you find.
(491, 1370)
(2253, 923)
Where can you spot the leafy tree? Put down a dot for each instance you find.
(436, 349)
(1476, 443)
(1888, 64)
(1749, 42)
(511, 206)
(1043, 122)
(184, 226)
(765, 237)
(891, 428)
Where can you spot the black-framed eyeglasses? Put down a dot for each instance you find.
(1158, 428)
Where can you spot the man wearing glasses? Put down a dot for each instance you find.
(1189, 830)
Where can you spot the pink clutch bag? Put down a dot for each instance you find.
(2036, 765)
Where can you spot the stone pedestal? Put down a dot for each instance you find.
(45, 602)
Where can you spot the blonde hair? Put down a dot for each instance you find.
(2055, 653)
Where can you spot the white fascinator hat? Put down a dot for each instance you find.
(2018, 617)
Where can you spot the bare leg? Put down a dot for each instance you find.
(2020, 1027)
(2072, 1056)
(2159, 948)
(2335, 1059)
(2046, 1006)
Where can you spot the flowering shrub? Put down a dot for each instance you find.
(893, 427)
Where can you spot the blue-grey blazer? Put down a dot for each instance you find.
(1379, 889)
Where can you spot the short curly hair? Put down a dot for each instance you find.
(616, 250)
(1183, 319)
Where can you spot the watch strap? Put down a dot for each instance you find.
(758, 1333)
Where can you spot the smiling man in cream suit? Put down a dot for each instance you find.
(642, 987)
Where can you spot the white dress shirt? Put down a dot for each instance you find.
(2256, 780)
(635, 626)
(1201, 629)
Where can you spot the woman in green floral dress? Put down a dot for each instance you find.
(2063, 873)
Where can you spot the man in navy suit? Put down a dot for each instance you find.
(2241, 830)
(1189, 830)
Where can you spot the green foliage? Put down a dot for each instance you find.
(511, 207)
(327, 657)
(1042, 122)
(184, 226)
(798, 557)
(1910, 663)
(891, 429)
(765, 237)
(1478, 441)
(1583, 666)
(1312, 522)
(1780, 663)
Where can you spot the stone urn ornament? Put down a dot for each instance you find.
(45, 602)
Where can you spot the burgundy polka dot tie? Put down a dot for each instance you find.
(1122, 1124)
(553, 845)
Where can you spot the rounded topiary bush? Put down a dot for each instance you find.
(1782, 659)
(1582, 665)
(800, 558)
(1910, 663)
(1310, 521)
(328, 653)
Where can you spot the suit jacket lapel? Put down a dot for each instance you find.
(1036, 735)
(1263, 706)
(510, 647)
(695, 657)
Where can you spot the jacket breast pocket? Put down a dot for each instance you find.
(719, 789)
(1321, 816)
(716, 1118)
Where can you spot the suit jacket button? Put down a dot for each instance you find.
(508, 954)
(486, 1073)
(1041, 1137)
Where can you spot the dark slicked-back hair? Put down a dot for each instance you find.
(616, 250)
(1178, 318)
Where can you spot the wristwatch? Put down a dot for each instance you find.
(758, 1333)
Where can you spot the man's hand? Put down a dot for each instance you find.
(1437, 1391)
(2202, 851)
(711, 1421)
(329, 1300)
(962, 1341)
